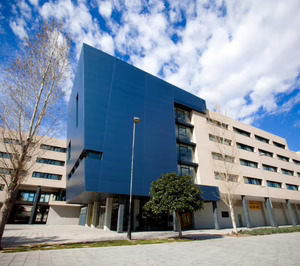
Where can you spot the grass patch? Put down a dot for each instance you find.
(101, 244)
(270, 231)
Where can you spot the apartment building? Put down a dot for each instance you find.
(41, 197)
(177, 134)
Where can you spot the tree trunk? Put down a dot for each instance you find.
(233, 218)
(179, 224)
(5, 211)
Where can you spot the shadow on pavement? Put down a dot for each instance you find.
(8, 242)
(202, 236)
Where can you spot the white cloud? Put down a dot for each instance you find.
(18, 27)
(239, 55)
(105, 8)
(34, 2)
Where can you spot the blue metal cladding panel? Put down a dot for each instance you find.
(115, 92)
(187, 99)
(210, 193)
(75, 134)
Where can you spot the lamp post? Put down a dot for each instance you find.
(136, 120)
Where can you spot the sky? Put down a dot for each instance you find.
(242, 57)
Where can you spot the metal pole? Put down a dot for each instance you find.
(131, 182)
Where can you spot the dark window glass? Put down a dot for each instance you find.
(252, 181)
(265, 153)
(274, 184)
(219, 156)
(50, 161)
(52, 148)
(220, 140)
(292, 187)
(225, 214)
(47, 176)
(186, 170)
(77, 110)
(241, 132)
(182, 115)
(1, 187)
(248, 163)
(94, 155)
(279, 145)
(185, 153)
(183, 133)
(296, 162)
(287, 172)
(245, 147)
(69, 151)
(261, 139)
(283, 158)
(216, 123)
(269, 168)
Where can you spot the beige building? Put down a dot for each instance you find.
(266, 173)
(41, 196)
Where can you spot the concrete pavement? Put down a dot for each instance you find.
(20, 235)
(279, 249)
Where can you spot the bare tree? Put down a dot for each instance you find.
(32, 103)
(224, 160)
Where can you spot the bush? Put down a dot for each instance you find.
(270, 231)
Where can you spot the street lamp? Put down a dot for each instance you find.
(136, 120)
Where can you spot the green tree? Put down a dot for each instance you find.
(174, 193)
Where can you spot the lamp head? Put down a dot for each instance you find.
(137, 120)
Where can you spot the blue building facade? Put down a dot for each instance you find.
(107, 94)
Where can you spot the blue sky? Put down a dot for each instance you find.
(242, 57)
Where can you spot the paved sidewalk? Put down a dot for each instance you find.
(279, 249)
(19, 235)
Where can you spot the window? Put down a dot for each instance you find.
(4, 155)
(265, 153)
(1, 187)
(248, 163)
(5, 171)
(12, 141)
(283, 158)
(219, 156)
(226, 177)
(296, 162)
(287, 172)
(216, 123)
(77, 110)
(183, 133)
(225, 214)
(185, 153)
(91, 154)
(45, 197)
(186, 170)
(269, 168)
(298, 174)
(292, 187)
(241, 132)
(30, 196)
(182, 115)
(220, 140)
(69, 151)
(52, 148)
(47, 176)
(50, 161)
(245, 147)
(274, 184)
(262, 139)
(279, 145)
(252, 181)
